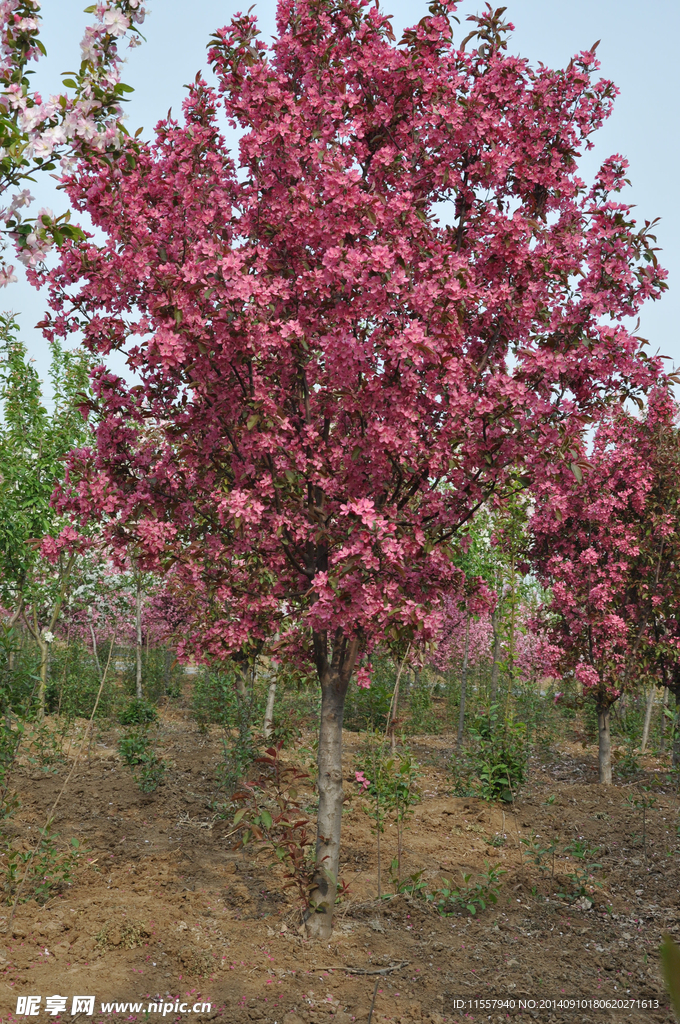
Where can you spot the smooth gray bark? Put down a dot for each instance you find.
(676, 730)
(648, 719)
(138, 644)
(496, 659)
(605, 746)
(334, 676)
(268, 727)
(463, 685)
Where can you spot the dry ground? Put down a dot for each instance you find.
(162, 908)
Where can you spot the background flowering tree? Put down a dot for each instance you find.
(606, 546)
(333, 382)
(34, 133)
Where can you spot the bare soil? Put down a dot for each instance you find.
(163, 908)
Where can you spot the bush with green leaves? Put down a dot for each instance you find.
(500, 754)
(138, 711)
(136, 749)
(48, 870)
(162, 675)
(368, 709)
(73, 683)
(471, 895)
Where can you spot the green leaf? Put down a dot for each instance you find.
(70, 83)
(576, 470)
(266, 819)
(670, 962)
(252, 421)
(239, 814)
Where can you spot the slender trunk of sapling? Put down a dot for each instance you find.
(268, 727)
(605, 746)
(241, 688)
(648, 718)
(662, 725)
(463, 685)
(334, 677)
(138, 645)
(676, 730)
(496, 662)
(94, 650)
(44, 663)
(377, 818)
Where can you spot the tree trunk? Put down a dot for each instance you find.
(334, 677)
(94, 651)
(605, 746)
(44, 663)
(268, 727)
(463, 684)
(662, 727)
(648, 718)
(395, 701)
(167, 670)
(496, 663)
(676, 730)
(138, 646)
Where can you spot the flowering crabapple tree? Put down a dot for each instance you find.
(657, 567)
(332, 380)
(607, 546)
(34, 133)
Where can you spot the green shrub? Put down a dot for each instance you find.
(494, 765)
(368, 709)
(148, 769)
(138, 712)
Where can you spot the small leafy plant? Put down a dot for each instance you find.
(273, 816)
(538, 853)
(413, 885)
(582, 878)
(138, 712)
(50, 870)
(148, 769)
(472, 895)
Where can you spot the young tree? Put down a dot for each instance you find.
(607, 545)
(332, 381)
(33, 445)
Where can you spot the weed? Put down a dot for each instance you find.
(537, 853)
(582, 878)
(414, 885)
(390, 789)
(50, 869)
(628, 766)
(471, 895)
(45, 748)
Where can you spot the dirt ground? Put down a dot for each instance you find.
(163, 910)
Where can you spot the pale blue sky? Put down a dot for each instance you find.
(638, 50)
